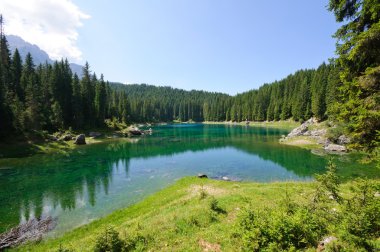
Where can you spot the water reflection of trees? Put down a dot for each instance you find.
(62, 180)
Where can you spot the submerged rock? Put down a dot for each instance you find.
(80, 139)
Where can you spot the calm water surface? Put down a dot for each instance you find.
(94, 180)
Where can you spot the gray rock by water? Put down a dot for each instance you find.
(80, 139)
(201, 175)
(335, 148)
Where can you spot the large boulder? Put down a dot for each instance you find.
(335, 148)
(80, 139)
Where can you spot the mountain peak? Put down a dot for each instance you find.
(39, 55)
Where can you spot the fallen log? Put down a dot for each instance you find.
(33, 230)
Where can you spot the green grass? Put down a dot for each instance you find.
(305, 142)
(288, 124)
(177, 217)
(181, 218)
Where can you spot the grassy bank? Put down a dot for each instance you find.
(24, 147)
(288, 124)
(198, 214)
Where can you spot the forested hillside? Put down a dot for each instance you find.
(50, 97)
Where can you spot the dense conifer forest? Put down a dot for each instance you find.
(49, 97)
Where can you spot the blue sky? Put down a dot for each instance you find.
(215, 45)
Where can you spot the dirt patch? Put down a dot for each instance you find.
(207, 246)
(208, 190)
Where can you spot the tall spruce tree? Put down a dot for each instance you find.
(358, 47)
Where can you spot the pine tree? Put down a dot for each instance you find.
(100, 101)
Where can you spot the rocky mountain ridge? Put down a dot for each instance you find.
(39, 55)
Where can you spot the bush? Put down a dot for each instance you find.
(109, 241)
(274, 229)
(334, 133)
(354, 222)
(135, 242)
(361, 215)
(214, 206)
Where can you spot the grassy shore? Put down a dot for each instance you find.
(288, 124)
(16, 148)
(191, 215)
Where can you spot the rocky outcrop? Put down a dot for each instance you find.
(80, 139)
(319, 134)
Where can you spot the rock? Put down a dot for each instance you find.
(318, 133)
(327, 240)
(94, 134)
(226, 178)
(299, 130)
(52, 138)
(201, 175)
(342, 140)
(80, 139)
(66, 137)
(135, 132)
(335, 148)
(377, 194)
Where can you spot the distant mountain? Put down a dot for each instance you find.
(39, 55)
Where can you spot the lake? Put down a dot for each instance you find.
(94, 180)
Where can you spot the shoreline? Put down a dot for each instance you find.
(29, 147)
(178, 217)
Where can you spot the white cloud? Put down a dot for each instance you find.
(50, 24)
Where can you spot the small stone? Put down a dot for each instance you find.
(66, 137)
(377, 194)
(201, 175)
(226, 178)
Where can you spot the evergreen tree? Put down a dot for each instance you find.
(359, 49)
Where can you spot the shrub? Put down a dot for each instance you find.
(334, 133)
(274, 229)
(214, 206)
(109, 241)
(203, 193)
(135, 242)
(361, 215)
